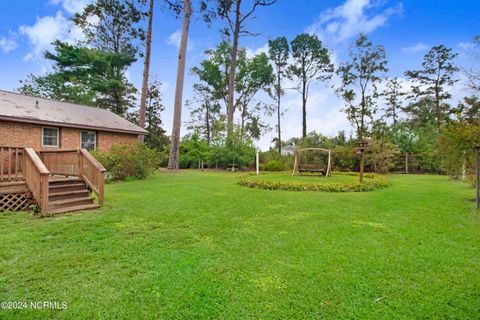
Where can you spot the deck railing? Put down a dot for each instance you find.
(93, 173)
(78, 163)
(11, 164)
(62, 162)
(36, 178)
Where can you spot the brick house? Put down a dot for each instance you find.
(44, 124)
(44, 153)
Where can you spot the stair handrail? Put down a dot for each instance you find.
(36, 177)
(93, 173)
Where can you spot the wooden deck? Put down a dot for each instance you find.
(50, 182)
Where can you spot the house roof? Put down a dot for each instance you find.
(23, 108)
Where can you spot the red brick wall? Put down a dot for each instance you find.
(16, 134)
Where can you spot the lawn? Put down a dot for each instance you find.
(197, 245)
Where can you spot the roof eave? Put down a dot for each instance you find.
(71, 125)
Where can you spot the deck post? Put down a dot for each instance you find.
(101, 187)
(44, 196)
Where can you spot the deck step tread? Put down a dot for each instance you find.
(67, 193)
(75, 184)
(54, 180)
(82, 207)
(67, 201)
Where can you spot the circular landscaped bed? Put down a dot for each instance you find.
(337, 182)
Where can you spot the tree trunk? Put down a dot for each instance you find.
(173, 161)
(146, 73)
(304, 110)
(231, 75)
(362, 165)
(360, 135)
(207, 125)
(244, 116)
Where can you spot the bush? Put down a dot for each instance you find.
(130, 160)
(275, 165)
(381, 155)
(344, 158)
(371, 182)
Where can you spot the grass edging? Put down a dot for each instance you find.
(371, 182)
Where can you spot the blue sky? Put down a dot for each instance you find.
(406, 28)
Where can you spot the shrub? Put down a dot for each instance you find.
(130, 160)
(371, 182)
(275, 165)
(381, 155)
(344, 158)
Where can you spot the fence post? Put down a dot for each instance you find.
(406, 162)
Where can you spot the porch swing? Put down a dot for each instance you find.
(313, 160)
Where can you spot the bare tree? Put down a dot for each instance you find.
(231, 11)
(146, 71)
(173, 161)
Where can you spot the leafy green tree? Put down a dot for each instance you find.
(360, 77)
(393, 95)
(457, 142)
(231, 11)
(311, 61)
(254, 75)
(278, 52)
(156, 137)
(112, 25)
(434, 79)
(381, 155)
(85, 75)
(193, 150)
(213, 71)
(205, 114)
(469, 110)
(56, 86)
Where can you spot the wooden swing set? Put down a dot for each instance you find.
(313, 160)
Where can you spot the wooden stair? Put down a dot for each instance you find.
(69, 194)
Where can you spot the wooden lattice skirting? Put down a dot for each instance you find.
(16, 201)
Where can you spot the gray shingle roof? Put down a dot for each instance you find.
(19, 107)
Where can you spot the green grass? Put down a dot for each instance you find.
(197, 245)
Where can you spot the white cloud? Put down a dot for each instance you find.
(419, 47)
(45, 30)
(467, 46)
(7, 44)
(253, 52)
(175, 37)
(351, 18)
(71, 6)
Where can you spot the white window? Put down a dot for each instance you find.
(50, 137)
(88, 140)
